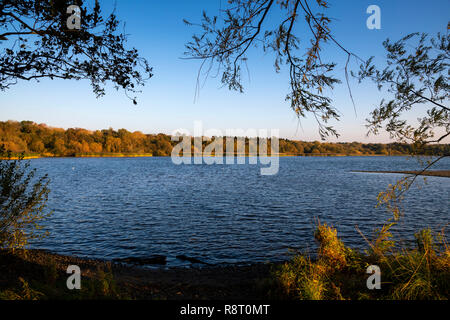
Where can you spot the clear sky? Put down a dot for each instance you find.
(167, 102)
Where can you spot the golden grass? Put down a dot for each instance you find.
(339, 273)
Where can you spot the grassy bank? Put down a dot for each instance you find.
(341, 273)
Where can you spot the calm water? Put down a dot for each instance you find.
(121, 207)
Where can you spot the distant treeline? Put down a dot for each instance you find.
(39, 139)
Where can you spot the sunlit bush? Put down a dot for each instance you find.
(339, 273)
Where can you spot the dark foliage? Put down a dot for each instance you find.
(36, 43)
(226, 39)
(416, 75)
(23, 200)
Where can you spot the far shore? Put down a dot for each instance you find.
(105, 155)
(147, 155)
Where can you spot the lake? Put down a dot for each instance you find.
(121, 207)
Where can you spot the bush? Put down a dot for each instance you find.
(23, 200)
(331, 249)
(339, 273)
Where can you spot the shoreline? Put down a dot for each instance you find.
(172, 283)
(124, 155)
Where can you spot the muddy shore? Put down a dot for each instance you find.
(206, 282)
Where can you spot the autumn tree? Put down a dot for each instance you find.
(27, 136)
(59, 147)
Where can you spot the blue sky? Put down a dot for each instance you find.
(167, 101)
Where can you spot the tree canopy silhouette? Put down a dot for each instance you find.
(416, 75)
(225, 41)
(37, 43)
(413, 77)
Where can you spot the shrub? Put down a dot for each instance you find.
(331, 249)
(23, 200)
(339, 273)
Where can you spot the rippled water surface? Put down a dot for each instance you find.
(121, 207)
